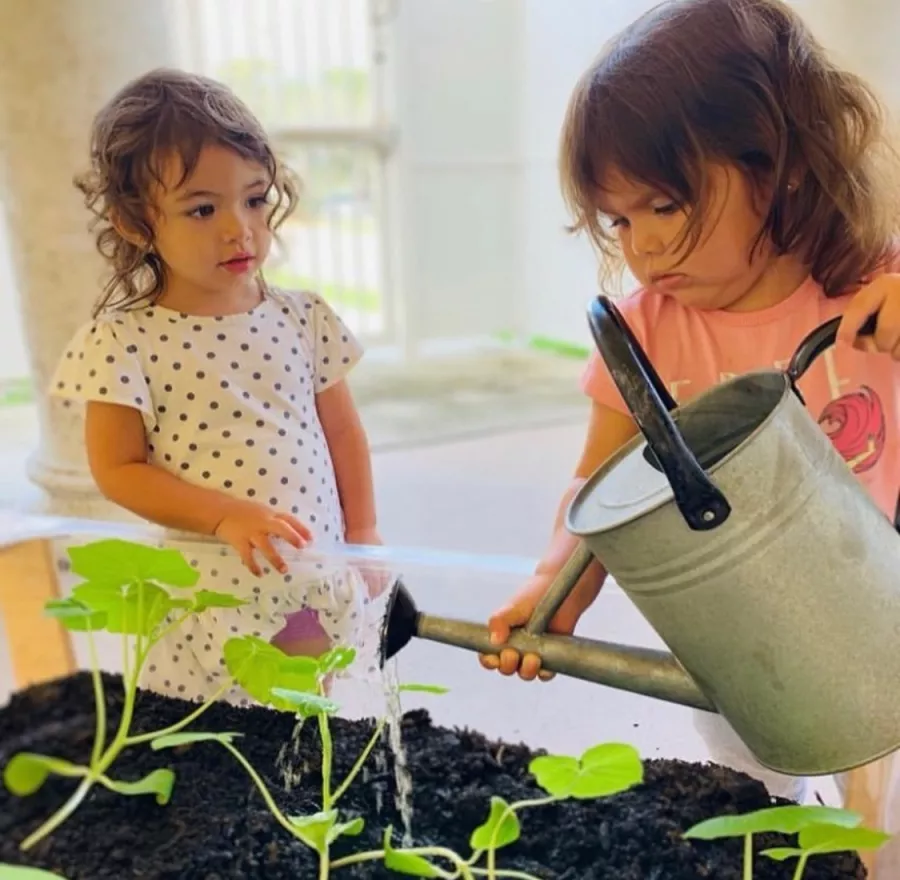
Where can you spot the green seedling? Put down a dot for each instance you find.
(820, 831)
(820, 840)
(601, 771)
(297, 684)
(124, 592)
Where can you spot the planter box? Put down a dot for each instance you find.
(216, 826)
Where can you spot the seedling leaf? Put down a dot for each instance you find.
(304, 704)
(320, 830)
(19, 872)
(159, 783)
(314, 830)
(601, 771)
(114, 562)
(506, 824)
(782, 820)
(822, 839)
(75, 615)
(26, 772)
(254, 664)
(204, 599)
(259, 666)
(782, 853)
(131, 609)
(174, 740)
(424, 689)
(405, 862)
(339, 657)
(297, 674)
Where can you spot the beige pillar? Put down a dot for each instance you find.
(61, 59)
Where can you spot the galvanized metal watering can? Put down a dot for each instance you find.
(747, 543)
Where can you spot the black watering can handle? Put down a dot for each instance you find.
(701, 504)
(818, 341)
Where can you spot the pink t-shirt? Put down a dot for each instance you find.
(855, 396)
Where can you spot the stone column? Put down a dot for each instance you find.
(61, 60)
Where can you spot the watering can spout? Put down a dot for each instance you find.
(639, 670)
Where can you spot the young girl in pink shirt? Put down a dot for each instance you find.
(747, 185)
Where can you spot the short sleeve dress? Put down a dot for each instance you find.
(229, 403)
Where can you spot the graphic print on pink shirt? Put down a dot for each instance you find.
(856, 425)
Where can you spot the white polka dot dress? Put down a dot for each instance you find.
(228, 403)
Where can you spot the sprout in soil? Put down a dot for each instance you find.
(124, 593)
(295, 684)
(820, 831)
(261, 670)
(602, 771)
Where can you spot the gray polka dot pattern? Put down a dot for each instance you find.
(228, 402)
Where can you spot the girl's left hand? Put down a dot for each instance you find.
(882, 296)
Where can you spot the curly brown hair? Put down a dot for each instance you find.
(744, 83)
(163, 112)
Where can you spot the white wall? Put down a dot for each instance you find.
(457, 69)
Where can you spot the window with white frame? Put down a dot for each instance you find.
(313, 72)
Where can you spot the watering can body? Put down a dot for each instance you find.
(747, 543)
(787, 614)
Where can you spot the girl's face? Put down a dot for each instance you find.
(211, 230)
(722, 271)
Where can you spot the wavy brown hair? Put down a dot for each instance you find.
(161, 113)
(739, 82)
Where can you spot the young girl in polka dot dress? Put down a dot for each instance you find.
(216, 405)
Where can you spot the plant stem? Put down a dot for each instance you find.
(324, 864)
(172, 626)
(424, 851)
(510, 810)
(59, 816)
(801, 866)
(261, 786)
(748, 857)
(325, 736)
(99, 699)
(180, 725)
(360, 761)
(512, 875)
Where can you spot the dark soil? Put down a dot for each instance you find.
(216, 826)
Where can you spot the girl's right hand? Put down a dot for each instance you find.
(517, 612)
(248, 527)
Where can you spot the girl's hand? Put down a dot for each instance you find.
(248, 527)
(882, 296)
(517, 612)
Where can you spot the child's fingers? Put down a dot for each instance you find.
(283, 528)
(529, 667)
(264, 545)
(509, 661)
(245, 551)
(861, 307)
(489, 661)
(301, 529)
